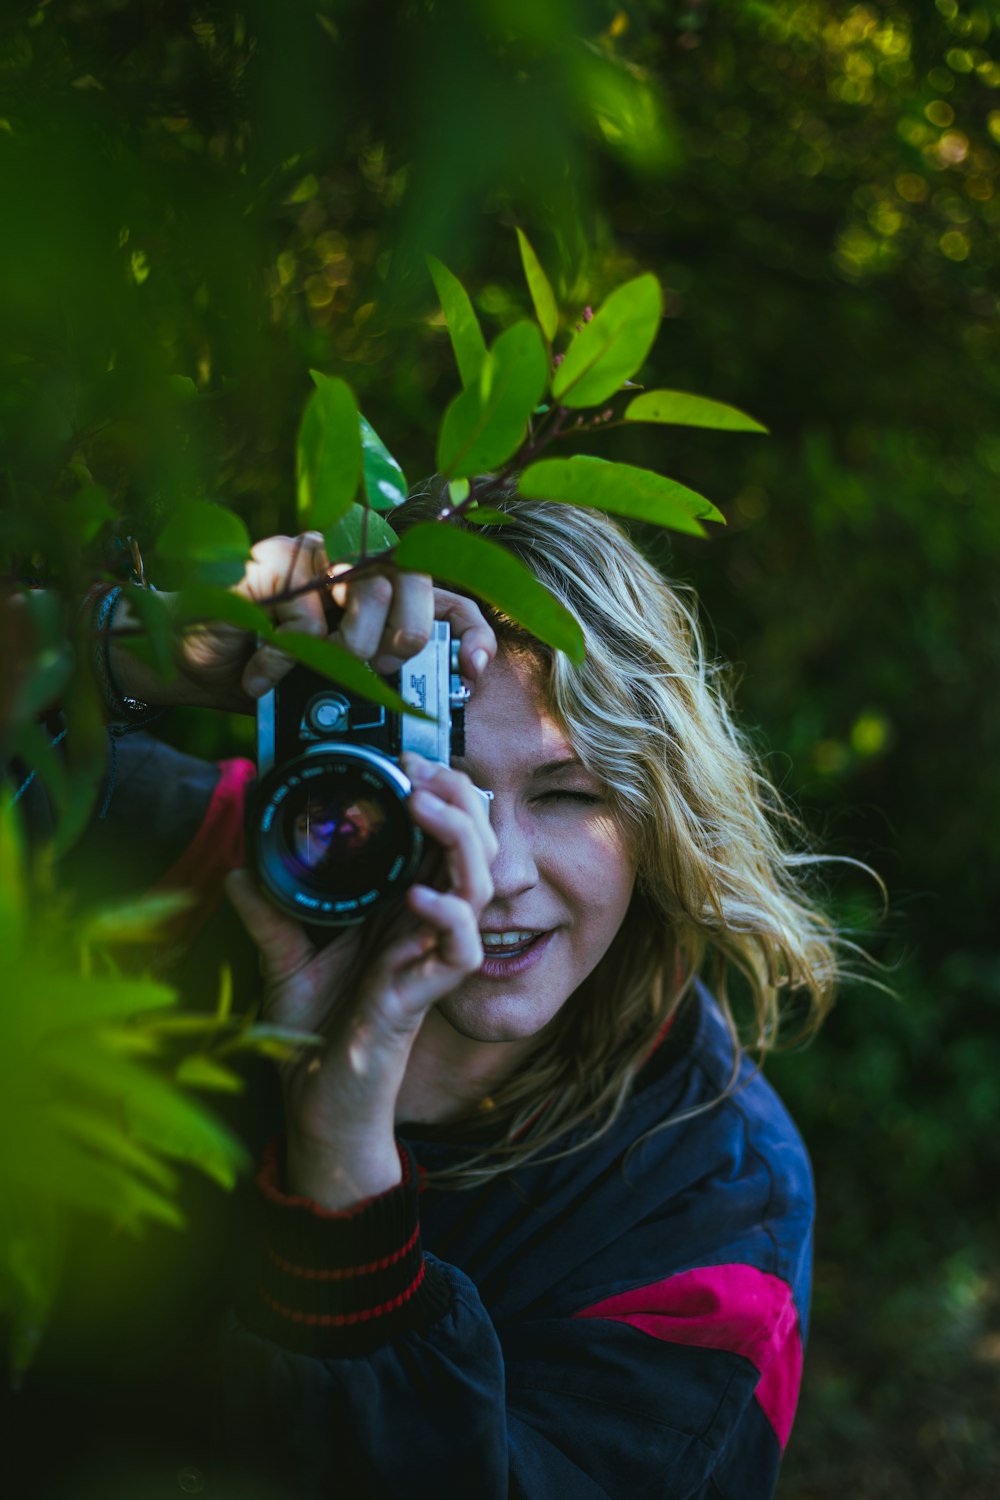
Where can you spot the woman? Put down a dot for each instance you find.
(537, 1226)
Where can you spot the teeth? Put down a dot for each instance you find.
(506, 939)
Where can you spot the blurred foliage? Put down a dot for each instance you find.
(203, 202)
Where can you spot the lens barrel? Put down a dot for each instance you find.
(332, 834)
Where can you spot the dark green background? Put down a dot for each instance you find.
(235, 195)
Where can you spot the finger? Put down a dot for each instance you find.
(477, 642)
(454, 787)
(366, 610)
(285, 565)
(409, 623)
(281, 941)
(457, 950)
(457, 833)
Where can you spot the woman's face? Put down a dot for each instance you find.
(562, 875)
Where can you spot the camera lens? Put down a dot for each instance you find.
(334, 837)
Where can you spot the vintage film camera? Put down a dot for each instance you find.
(330, 832)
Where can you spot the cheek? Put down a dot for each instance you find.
(604, 880)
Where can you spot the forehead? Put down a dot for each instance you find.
(508, 725)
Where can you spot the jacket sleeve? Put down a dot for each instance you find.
(357, 1366)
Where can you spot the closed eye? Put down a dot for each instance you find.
(586, 798)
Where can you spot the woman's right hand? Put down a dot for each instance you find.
(340, 1100)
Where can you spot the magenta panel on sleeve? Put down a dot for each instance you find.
(737, 1308)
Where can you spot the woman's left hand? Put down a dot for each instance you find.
(387, 618)
(340, 1102)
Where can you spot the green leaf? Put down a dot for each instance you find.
(201, 1072)
(155, 1111)
(84, 784)
(385, 482)
(139, 921)
(463, 325)
(205, 605)
(52, 657)
(182, 387)
(486, 423)
(277, 1042)
(544, 302)
(70, 1000)
(13, 883)
(343, 538)
(628, 114)
(328, 452)
(208, 543)
(484, 515)
(458, 490)
(612, 346)
(96, 1130)
(155, 616)
(621, 489)
(334, 661)
(88, 510)
(490, 572)
(32, 744)
(684, 410)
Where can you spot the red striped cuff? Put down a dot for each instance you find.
(340, 1283)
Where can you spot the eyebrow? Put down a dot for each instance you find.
(551, 767)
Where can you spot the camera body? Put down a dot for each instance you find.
(330, 831)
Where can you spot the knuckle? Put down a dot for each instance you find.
(409, 639)
(378, 589)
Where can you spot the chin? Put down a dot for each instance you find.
(495, 1019)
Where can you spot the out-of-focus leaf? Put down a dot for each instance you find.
(263, 1037)
(31, 744)
(682, 409)
(612, 346)
(182, 387)
(139, 921)
(153, 1110)
(84, 784)
(385, 482)
(157, 621)
(492, 573)
(486, 423)
(88, 510)
(13, 888)
(201, 1072)
(221, 606)
(99, 1132)
(621, 489)
(328, 452)
(458, 490)
(32, 1253)
(343, 539)
(63, 999)
(542, 297)
(463, 325)
(483, 515)
(333, 661)
(224, 1004)
(208, 543)
(48, 676)
(628, 112)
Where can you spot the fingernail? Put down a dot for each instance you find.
(480, 661)
(258, 686)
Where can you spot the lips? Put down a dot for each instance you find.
(508, 961)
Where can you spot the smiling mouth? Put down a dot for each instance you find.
(509, 944)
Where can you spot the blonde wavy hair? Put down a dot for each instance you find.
(720, 882)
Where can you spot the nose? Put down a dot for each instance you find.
(515, 868)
